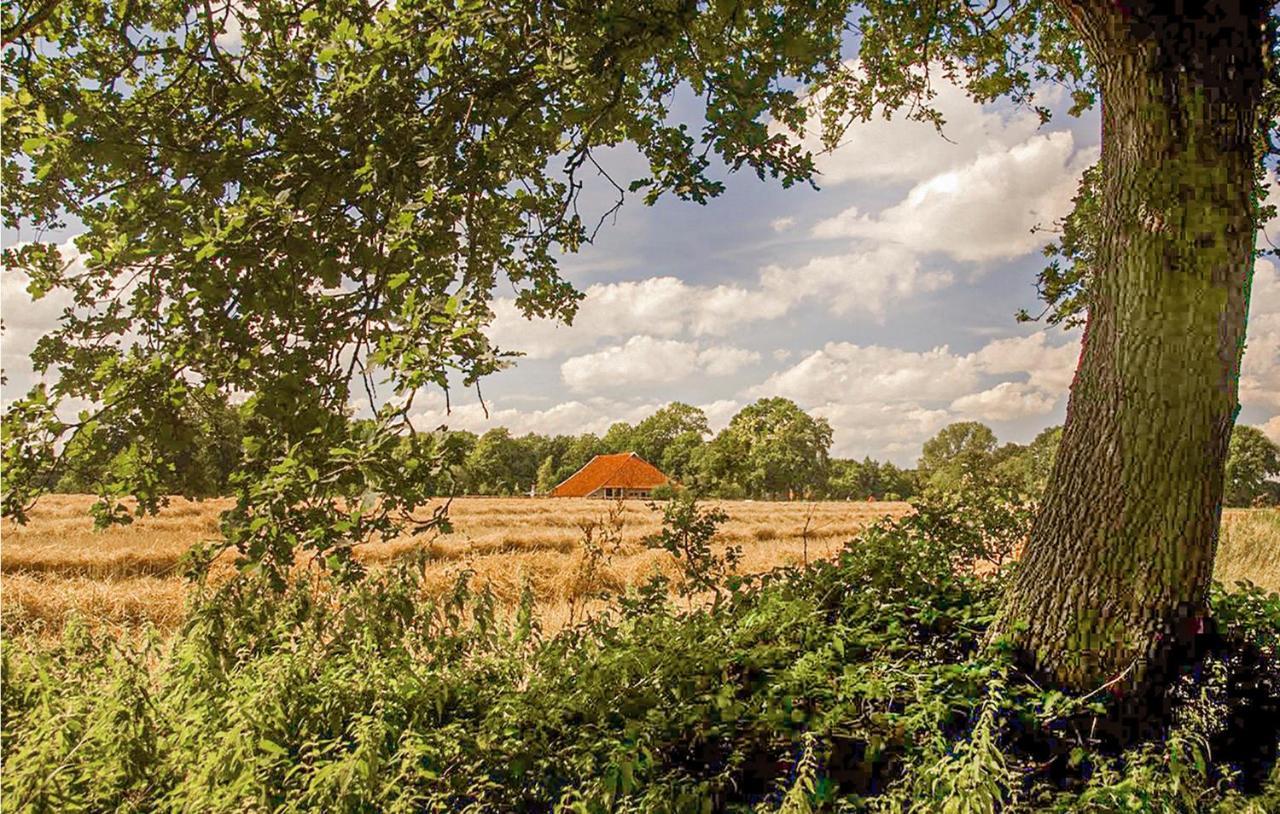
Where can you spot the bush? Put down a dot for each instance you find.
(855, 685)
(984, 519)
(729, 491)
(666, 491)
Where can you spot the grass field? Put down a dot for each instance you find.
(58, 565)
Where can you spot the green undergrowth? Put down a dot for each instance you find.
(858, 685)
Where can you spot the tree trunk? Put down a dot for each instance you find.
(1120, 558)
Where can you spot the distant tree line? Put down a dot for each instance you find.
(770, 450)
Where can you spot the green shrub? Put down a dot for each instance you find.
(983, 519)
(856, 685)
(666, 491)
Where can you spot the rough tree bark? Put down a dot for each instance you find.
(1122, 552)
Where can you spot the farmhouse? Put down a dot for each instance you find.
(612, 476)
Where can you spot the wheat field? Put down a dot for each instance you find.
(58, 565)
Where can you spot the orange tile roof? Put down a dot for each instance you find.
(625, 469)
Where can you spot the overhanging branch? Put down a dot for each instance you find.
(31, 23)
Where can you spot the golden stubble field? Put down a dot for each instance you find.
(58, 564)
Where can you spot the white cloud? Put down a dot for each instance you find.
(1049, 367)
(642, 360)
(881, 430)
(1272, 429)
(657, 306)
(782, 224)
(573, 417)
(1005, 402)
(719, 413)
(982, 211)
(26, 320)
(869, 282)
(648, 360)
(900, 149)
(719, 360)
(1260, 367)
(843, 372)
(886, 401)
(721, 309)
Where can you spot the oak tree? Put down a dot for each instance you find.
(1029, 466)
(668, 438)
(781, 449)
(1253, 468)
(965, 448)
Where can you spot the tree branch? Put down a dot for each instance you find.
(31, 23)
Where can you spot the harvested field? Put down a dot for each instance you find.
(58, 564)
(1249, 548)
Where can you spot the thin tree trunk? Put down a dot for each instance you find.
(1120, 558)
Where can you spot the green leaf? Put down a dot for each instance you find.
(271, 747)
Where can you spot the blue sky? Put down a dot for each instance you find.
(884, 301)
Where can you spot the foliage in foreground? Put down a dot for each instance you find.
(858, 685)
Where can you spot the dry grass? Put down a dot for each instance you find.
(58, 565)
(1249, 548)
(129, 601)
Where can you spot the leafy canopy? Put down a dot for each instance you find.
(1253, 468)
(781, 448)
(959, 449)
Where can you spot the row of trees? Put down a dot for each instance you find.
(970, 449)
(770, 449)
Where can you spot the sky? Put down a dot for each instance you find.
(883, 301)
